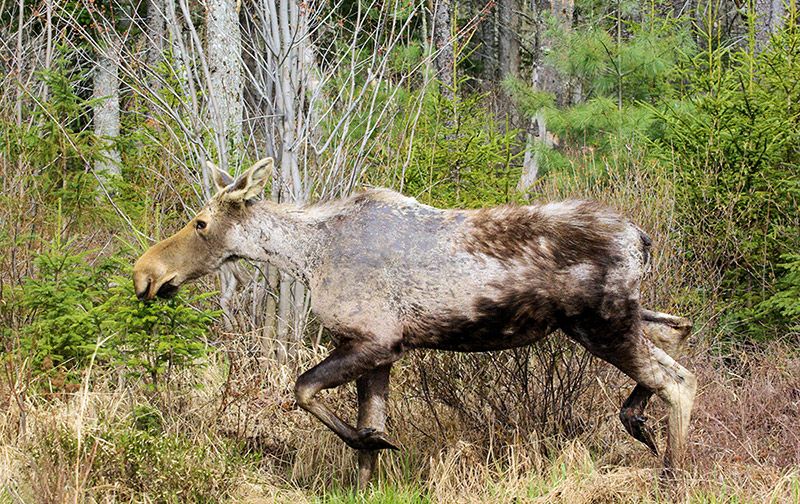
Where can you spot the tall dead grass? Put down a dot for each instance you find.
(743, 444)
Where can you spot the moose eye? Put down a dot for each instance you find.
(200, 225)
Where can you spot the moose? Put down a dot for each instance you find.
(388, 274)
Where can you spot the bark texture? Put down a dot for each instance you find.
(106, 111)
(442, 37)
(769, 19)
(156, 36)
(224, 54)
(486, 51)
(508, 38)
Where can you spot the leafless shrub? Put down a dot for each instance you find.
(748, 409)
(511, 394)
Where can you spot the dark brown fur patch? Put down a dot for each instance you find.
(545, 293)
(524, 312)
(583, 232)
(498, 325)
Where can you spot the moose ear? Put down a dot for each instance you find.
(221, 178)
(252, 182)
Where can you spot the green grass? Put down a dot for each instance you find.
(382, 493)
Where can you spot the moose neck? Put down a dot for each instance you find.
(284, 235)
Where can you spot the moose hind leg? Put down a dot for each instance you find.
(667, 332)
(343, 365)
(679, 386)
(655, 371)
(373, 389)
(632, 417)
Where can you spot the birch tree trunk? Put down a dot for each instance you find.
(268, 330)
(224, 56)
(224, 100)
(156, 36)
(18, 57)
(292, 86)
(284, 74)
(106, 111)
(284, 339)
(442, 38)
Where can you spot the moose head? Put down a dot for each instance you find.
(205, 243)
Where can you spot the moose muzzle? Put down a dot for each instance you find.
(151, 278)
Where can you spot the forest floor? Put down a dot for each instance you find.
(231, 432)
(222, 441)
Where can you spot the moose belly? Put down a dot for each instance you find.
(493, 326)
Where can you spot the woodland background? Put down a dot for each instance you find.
(683, 115)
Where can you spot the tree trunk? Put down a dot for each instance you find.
(48, 52)
(442, 38)
(296, 75)
(268, 334)
(299, 308)
(156, 36)
(224, 59)
(508, 38)
(545, 78)
(487, 51)
(284, 314)
(224, 56)
(179, 58)
(769, 19)
(18, 56)
(106, 111)
(549, 79)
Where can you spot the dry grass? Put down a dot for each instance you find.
(744, 444)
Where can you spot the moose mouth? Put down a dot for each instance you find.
(167, 291)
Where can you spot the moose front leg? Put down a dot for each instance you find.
(373, 390)
(343, 365)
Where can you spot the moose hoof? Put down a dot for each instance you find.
(371, 439)
(635, 425)
(644, 433)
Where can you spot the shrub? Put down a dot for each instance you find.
(75, 310)
(785, 302)
(734, 140)
(512, 394)
(153, 339)
(131, 464)
(458, 156)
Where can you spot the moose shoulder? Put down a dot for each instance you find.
(388, 274)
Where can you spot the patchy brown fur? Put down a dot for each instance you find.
(509, 233)
(544, 294)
